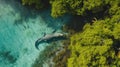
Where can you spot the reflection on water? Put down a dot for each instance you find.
(20, 27)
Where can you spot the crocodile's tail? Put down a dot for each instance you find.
(37, 43)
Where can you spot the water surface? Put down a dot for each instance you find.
(20, 27)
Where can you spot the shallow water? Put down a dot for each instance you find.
(20, 27)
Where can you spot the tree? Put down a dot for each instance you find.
(77, 7)
(37, 3)
(97, 44)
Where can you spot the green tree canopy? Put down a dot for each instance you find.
(94, 46)
(77, 7)
(37, 3)
(97, 45)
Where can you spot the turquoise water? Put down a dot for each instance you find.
(20, 27)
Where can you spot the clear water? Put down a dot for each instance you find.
(20, 27)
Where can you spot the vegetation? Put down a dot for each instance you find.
(93, 44)
(61, 7)
(36, 3)
(98, 44)
(77, 7)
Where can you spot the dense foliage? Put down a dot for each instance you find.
(36, 3)
(98, 44)
(95, 46)
(78, 7)
(61, 7)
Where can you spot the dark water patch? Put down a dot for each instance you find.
(8, 57)
(54, 22)
(76, 23)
